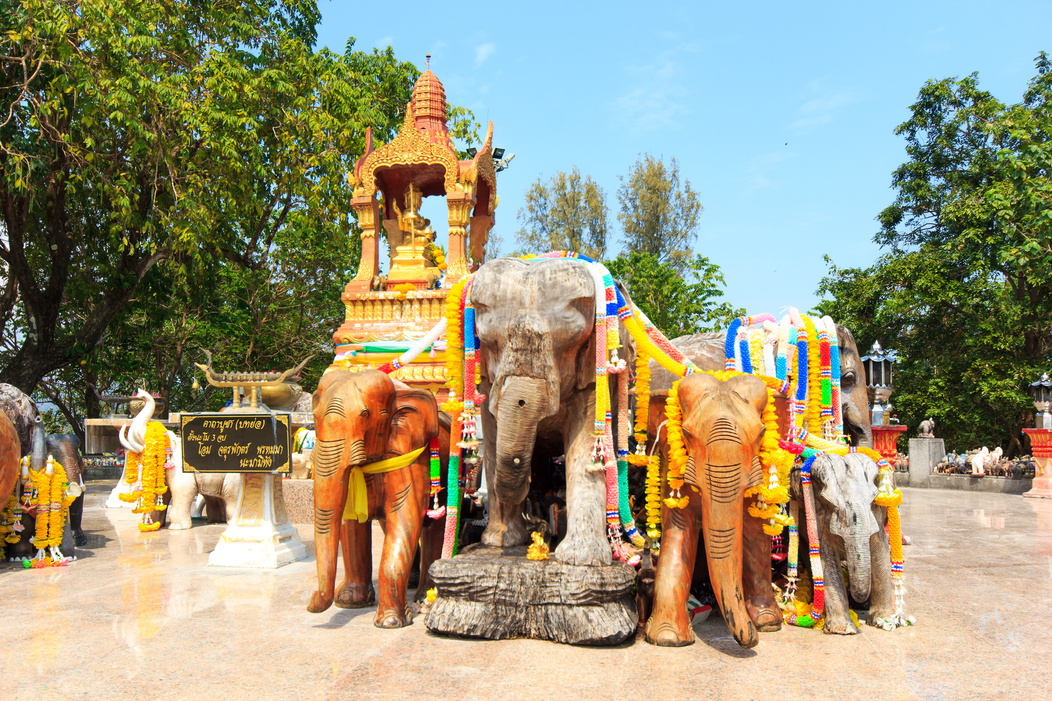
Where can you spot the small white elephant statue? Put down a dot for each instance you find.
(302, 448)
(183, 486)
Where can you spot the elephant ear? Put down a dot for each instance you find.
(414, 422)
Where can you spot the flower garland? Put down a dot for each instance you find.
(7, 520)
(457, 342)
(131, 476)
(436, 255)
(677, 452)
(776, 462)
(642, 417)
(152, 483)
(50, 495)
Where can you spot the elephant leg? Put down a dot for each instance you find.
(756, 577)
(230, 493)
(404, 503)
(835, 613)
(330, 497)
(215, 509)
(585, 542)
(669, 625)
(183, 488)
(882, 588)
(430, 550)
(76, 514)
(356, 590)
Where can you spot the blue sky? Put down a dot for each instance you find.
(781, 115)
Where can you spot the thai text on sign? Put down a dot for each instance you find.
(236, 442)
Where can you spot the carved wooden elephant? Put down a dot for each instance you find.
(368, 429)
(535, 323)
(10, 456)
(722, 429)
(850, 531)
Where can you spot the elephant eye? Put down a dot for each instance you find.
(364, 414)
(847, 382)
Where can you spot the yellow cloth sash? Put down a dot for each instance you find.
(357, 506)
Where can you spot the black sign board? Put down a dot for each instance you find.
(236, 442)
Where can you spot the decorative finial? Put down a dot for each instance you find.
(428, 57)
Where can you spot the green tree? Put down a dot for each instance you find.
(964, 291)
(676, 305)
(164, 164)
(567, 213)
(658, 215)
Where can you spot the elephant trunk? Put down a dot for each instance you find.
(357, 452)
(857, 423)
(38, 453)
(856, 535)
(723, 521)
(522, 404)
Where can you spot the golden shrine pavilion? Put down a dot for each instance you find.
(384, 316)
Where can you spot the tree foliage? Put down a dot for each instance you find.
(677, 305)
(172, 177)
(567, 213)
(964, 290)
(659, 216)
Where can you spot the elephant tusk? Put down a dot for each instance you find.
(126, 440)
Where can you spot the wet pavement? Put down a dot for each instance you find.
(143, 616)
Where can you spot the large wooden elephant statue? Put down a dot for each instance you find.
(851, 532)
(537, 351)
(367, 465)
(10, 456)
(722, 428)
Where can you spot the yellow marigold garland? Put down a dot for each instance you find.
(50, 494)
(454, 346)
(131, 476)
(653, 500)
(153, 482)
(642, 417)
(677, 452)
(776, 463)
(7, 520)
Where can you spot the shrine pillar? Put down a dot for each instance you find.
(460, 206)
(368, 211)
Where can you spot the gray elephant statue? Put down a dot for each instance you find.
(65, 447)
(535, 323)
(927, 428)
(850, 531)
(34, 441)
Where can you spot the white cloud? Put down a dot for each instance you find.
(483, 52)
(656, 93)
(384, 42)
(823, 107)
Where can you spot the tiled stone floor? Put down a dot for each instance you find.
(142, 616)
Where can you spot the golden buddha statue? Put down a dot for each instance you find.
(410, 257)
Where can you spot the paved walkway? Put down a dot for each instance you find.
(142, 616)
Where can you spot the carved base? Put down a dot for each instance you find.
(260, 536)
(496, 593)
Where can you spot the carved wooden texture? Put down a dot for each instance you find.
(496, 593)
